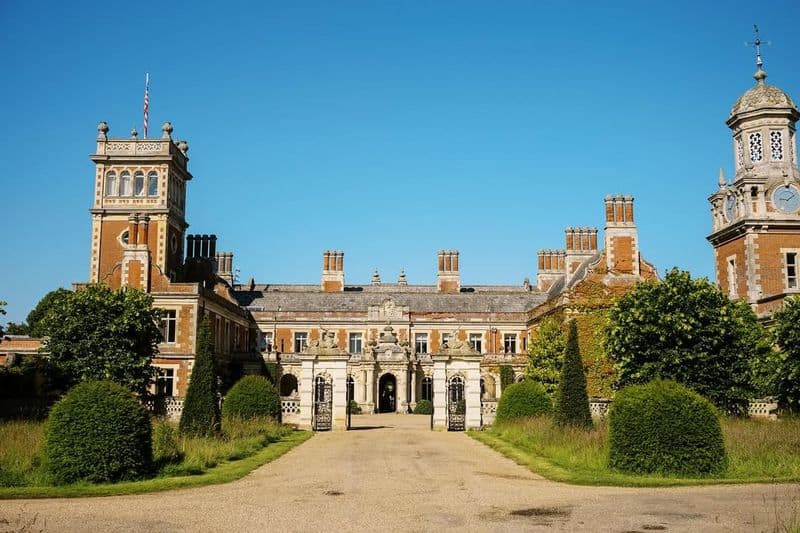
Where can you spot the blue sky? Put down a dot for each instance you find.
(386, 129)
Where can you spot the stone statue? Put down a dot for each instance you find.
(456, 346)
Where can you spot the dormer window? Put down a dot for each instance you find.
(138, 183)
(152, 184)
(111, 183)
(125, 184)
(776, 145)
(756, 147)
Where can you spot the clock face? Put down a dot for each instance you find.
(730, 207)
(786, 198)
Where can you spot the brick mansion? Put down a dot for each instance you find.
(389, 344)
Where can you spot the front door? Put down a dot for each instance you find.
(387, 394)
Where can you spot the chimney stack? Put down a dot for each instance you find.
(552, 266)
(332, 271)
(581, 246)
(621, 236)
(448, 279)
(225, 266)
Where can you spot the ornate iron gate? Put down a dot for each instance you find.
(456, 406)
(323, 405)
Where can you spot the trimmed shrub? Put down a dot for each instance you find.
(506, 376)
(100, 433)
(252, 397)
(572, 400)
(423, 407)
(663, 427)
(523, 400)
(200, 416)
(165, 443)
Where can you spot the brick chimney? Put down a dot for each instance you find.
(552, 266)
(332, 271)
(621, 236)
(581, 245)
(225, 266)
(448, 279)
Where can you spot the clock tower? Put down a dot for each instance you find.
(756, 217)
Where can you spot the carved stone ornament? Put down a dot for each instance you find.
(760, 97)
(456, 346)
(327, 344)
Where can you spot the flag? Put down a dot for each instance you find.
(146, 101)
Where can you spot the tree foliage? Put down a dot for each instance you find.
(252, 397)
(201, 416)
(572, 400)
(784, 380)
(15, 328)
(101, 333)
(545, 354)
(50, 302)
(523, 400)
(687, 330)
(2, 312)
(506, 376)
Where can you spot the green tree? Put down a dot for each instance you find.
(572, 400)
(103, 334)
(17, 329)
(545, 354)
(688, 331)
(2, 312)
(506, 376)
(785, 382)
(201, 416)
(52, 301)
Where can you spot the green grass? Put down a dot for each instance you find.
(758, 451)
(242, 448)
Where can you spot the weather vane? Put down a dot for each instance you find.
(757, 46)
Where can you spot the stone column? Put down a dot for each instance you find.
(370, 384)
(305, 388)
(472, 393)
(338, 372)
(440, 393)
(412, 400)
(402, 391)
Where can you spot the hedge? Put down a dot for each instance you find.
(522, 400)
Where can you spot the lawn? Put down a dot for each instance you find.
(202, 461)
(758, 451)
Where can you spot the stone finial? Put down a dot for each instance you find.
(102, 131)
(401, 279)
(166, 130)
(376, 278)
(134, 133)
(721, 178)
(183, 146)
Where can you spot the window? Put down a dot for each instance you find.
(791, 270)
(138, 184)
(475, 340)
(125, 184)
(355, 343)
(421, 343)
(756, 147)
(266, 342)
(445, 339)
(123, 238)
(510, 343)
(152, 184)
(732, 277)
(456, 389)
(300, 341)
(168, 325)
(776, 145)
(111, 183)
(427, 389)
(288, 385)
(165, 382)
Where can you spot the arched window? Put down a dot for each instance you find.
(125, 184)
(288, 385)
(152, 184)
(111, 183)
(138, 183)
(520, 378)
(427, 389)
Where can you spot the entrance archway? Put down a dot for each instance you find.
(387, 394)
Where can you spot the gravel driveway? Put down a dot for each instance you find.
(395, 474)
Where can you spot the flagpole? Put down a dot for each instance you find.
(146, 101)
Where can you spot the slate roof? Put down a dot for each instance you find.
(419, 298)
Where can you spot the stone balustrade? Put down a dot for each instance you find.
(169, 407)
(290, 409)
(488, 412)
